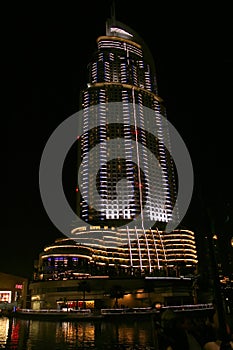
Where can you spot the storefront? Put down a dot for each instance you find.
(13, 290)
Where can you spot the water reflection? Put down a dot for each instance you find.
(4, 325)
(36, 335)
(76, 334)
(12, 333)
(129, 333)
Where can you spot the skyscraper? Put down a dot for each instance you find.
(122, 77)
(126, 169)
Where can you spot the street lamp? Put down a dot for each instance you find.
(217, 291)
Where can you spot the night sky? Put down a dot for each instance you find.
(49, 51)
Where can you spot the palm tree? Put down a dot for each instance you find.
(84, 287)
(117, 292)
(149, 288)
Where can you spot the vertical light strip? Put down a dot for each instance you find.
(156, 250)
(130, 251)
(164, 252)
(139, 248)
(148, 250)
(138, 160)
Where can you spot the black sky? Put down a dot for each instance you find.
(49, 51)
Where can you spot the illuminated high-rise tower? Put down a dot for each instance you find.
(125, 164)
(122, 72)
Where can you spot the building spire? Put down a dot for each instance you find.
(113, 12)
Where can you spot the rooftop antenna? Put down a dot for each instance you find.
(113, 12)
(112, 20)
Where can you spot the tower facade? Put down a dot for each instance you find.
(126, 168)
(122, 75)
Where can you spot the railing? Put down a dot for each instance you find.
(140, 310)
(149, 310)
(190, 307)
(54, 311)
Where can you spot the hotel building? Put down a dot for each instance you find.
(122, 73)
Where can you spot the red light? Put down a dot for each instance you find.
(139, 185)
(18, 286)
(76, 189)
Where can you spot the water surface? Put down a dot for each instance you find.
(48, 335)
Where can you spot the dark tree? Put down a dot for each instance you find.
(84, 287)
(117, 292)
(149, 288)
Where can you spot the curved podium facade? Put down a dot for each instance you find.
(118, 252)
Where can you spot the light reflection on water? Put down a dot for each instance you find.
(105, 335)
(4, 325)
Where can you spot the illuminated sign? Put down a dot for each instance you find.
(5, 296)
(18, 286)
